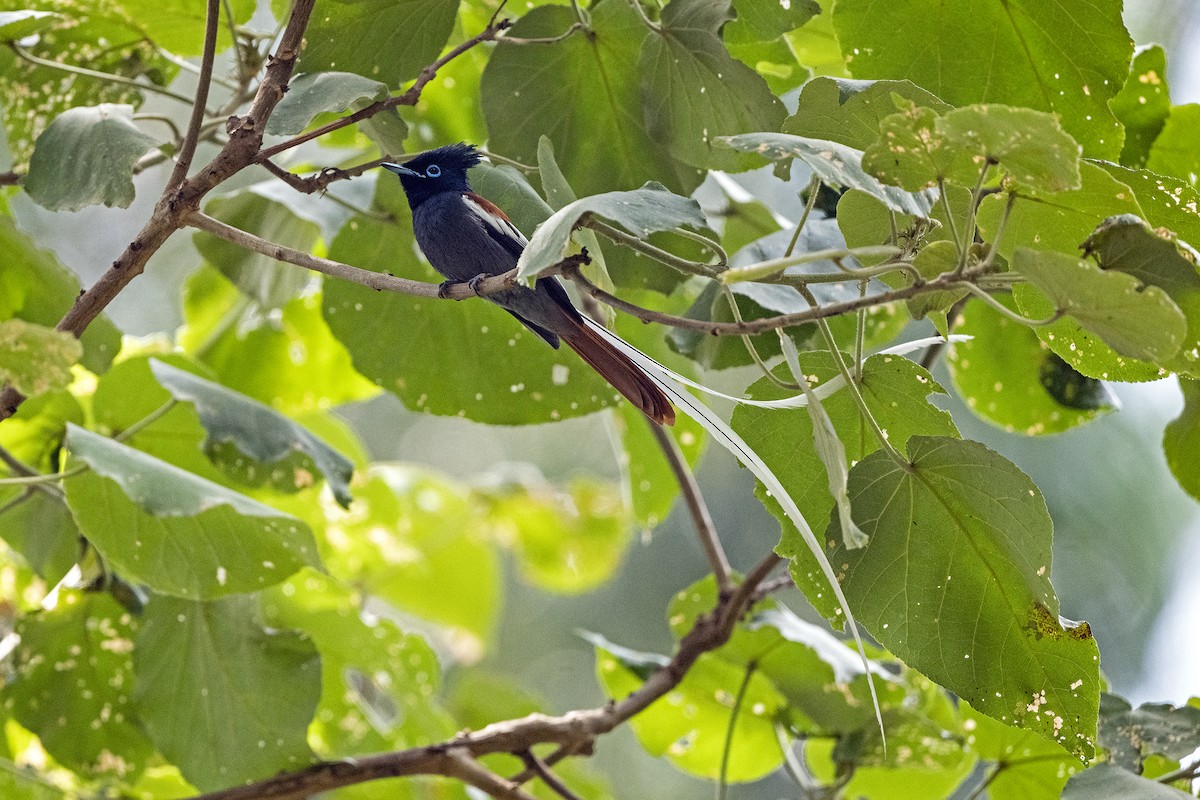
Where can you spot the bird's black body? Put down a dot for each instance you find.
(464, 236)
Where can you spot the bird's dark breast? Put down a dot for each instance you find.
(455, 241)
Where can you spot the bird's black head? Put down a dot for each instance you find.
(434, 172)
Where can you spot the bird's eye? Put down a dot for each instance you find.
(433, 171)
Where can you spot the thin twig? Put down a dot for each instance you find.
(727, 749)
(188, 149)
(540, 769)
(657, 253)
(108, 77)
(575, 26)
(814, 188)
(706, 531)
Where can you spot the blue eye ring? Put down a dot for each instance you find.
(433, 171)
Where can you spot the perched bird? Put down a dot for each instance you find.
(466, 237)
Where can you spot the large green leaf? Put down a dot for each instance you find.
(1181, 440)
(897, 392)
(86, 157)
(691, 725)
(1025, 61)
(16, 25)
(850, 111)
(1007, 376)
(224, 698)
(316, 93)
(956, 581)
(919, 146)
(285, 453)
(1143, 104)
(1110, 782)
(35, 287)
(1135, 320)
(417, 541)
(383, 39)
(378, 683)
(1156, 258)
(177, 533)
(290, 361)
(641, 212)
(73, 675)
(591, 83)
(693, 91)
(1174, 149)
(469, 359)
(765, 20)
(36, 359)
(836, 164)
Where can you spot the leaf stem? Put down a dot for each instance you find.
(814, 188)
(958, 244)
(649, 23)
(767, 372)
(971, 215)
(1013, 315)
(723, 782)
(575, 26)
(657, 253)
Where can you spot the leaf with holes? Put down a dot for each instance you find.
(850, 112)
(36, 359)
(956, 582)
(1143, 104)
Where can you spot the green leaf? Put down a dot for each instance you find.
(640, 212)
(378, 683)
(1156, 258)
(265, 280)
(34, 434)
(1110, 782)
(388, 40)
(36, 359)
(177, 533)
(765, 20)
(73, 672)
(918, 146)
(894, 388)
(86, 157)
(592, 83)
(225, 699)
(935, 259)
(1002, 374)
(35, 287)
(568, 542)
(42, 530)
(1023, 64)
(1135, 320)
(255, 431)
(16, 25)
(502, 372)
(1131, 735)
(850, 112)
(178, 25)
(1165, 202)
(693, 91)
(418, 542)
(1181, 440)
(836, 164)
(1026, 765)
(960, 531)
(1174, 149)
(316, 93)
(291, 361)
(1143, 103)
(691, 724)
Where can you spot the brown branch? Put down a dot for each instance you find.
(574, 732)
(10, 178)
(706, 531)
(188, 149)
(408, 98)
(319, 182)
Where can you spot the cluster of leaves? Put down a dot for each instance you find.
(210, 581)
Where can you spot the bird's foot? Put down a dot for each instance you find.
(444, 288)
(474, 283)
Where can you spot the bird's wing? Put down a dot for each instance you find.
(496, 223)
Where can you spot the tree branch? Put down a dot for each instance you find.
(188, 149)
(574, 732)
(706, 532)
(542, 770)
